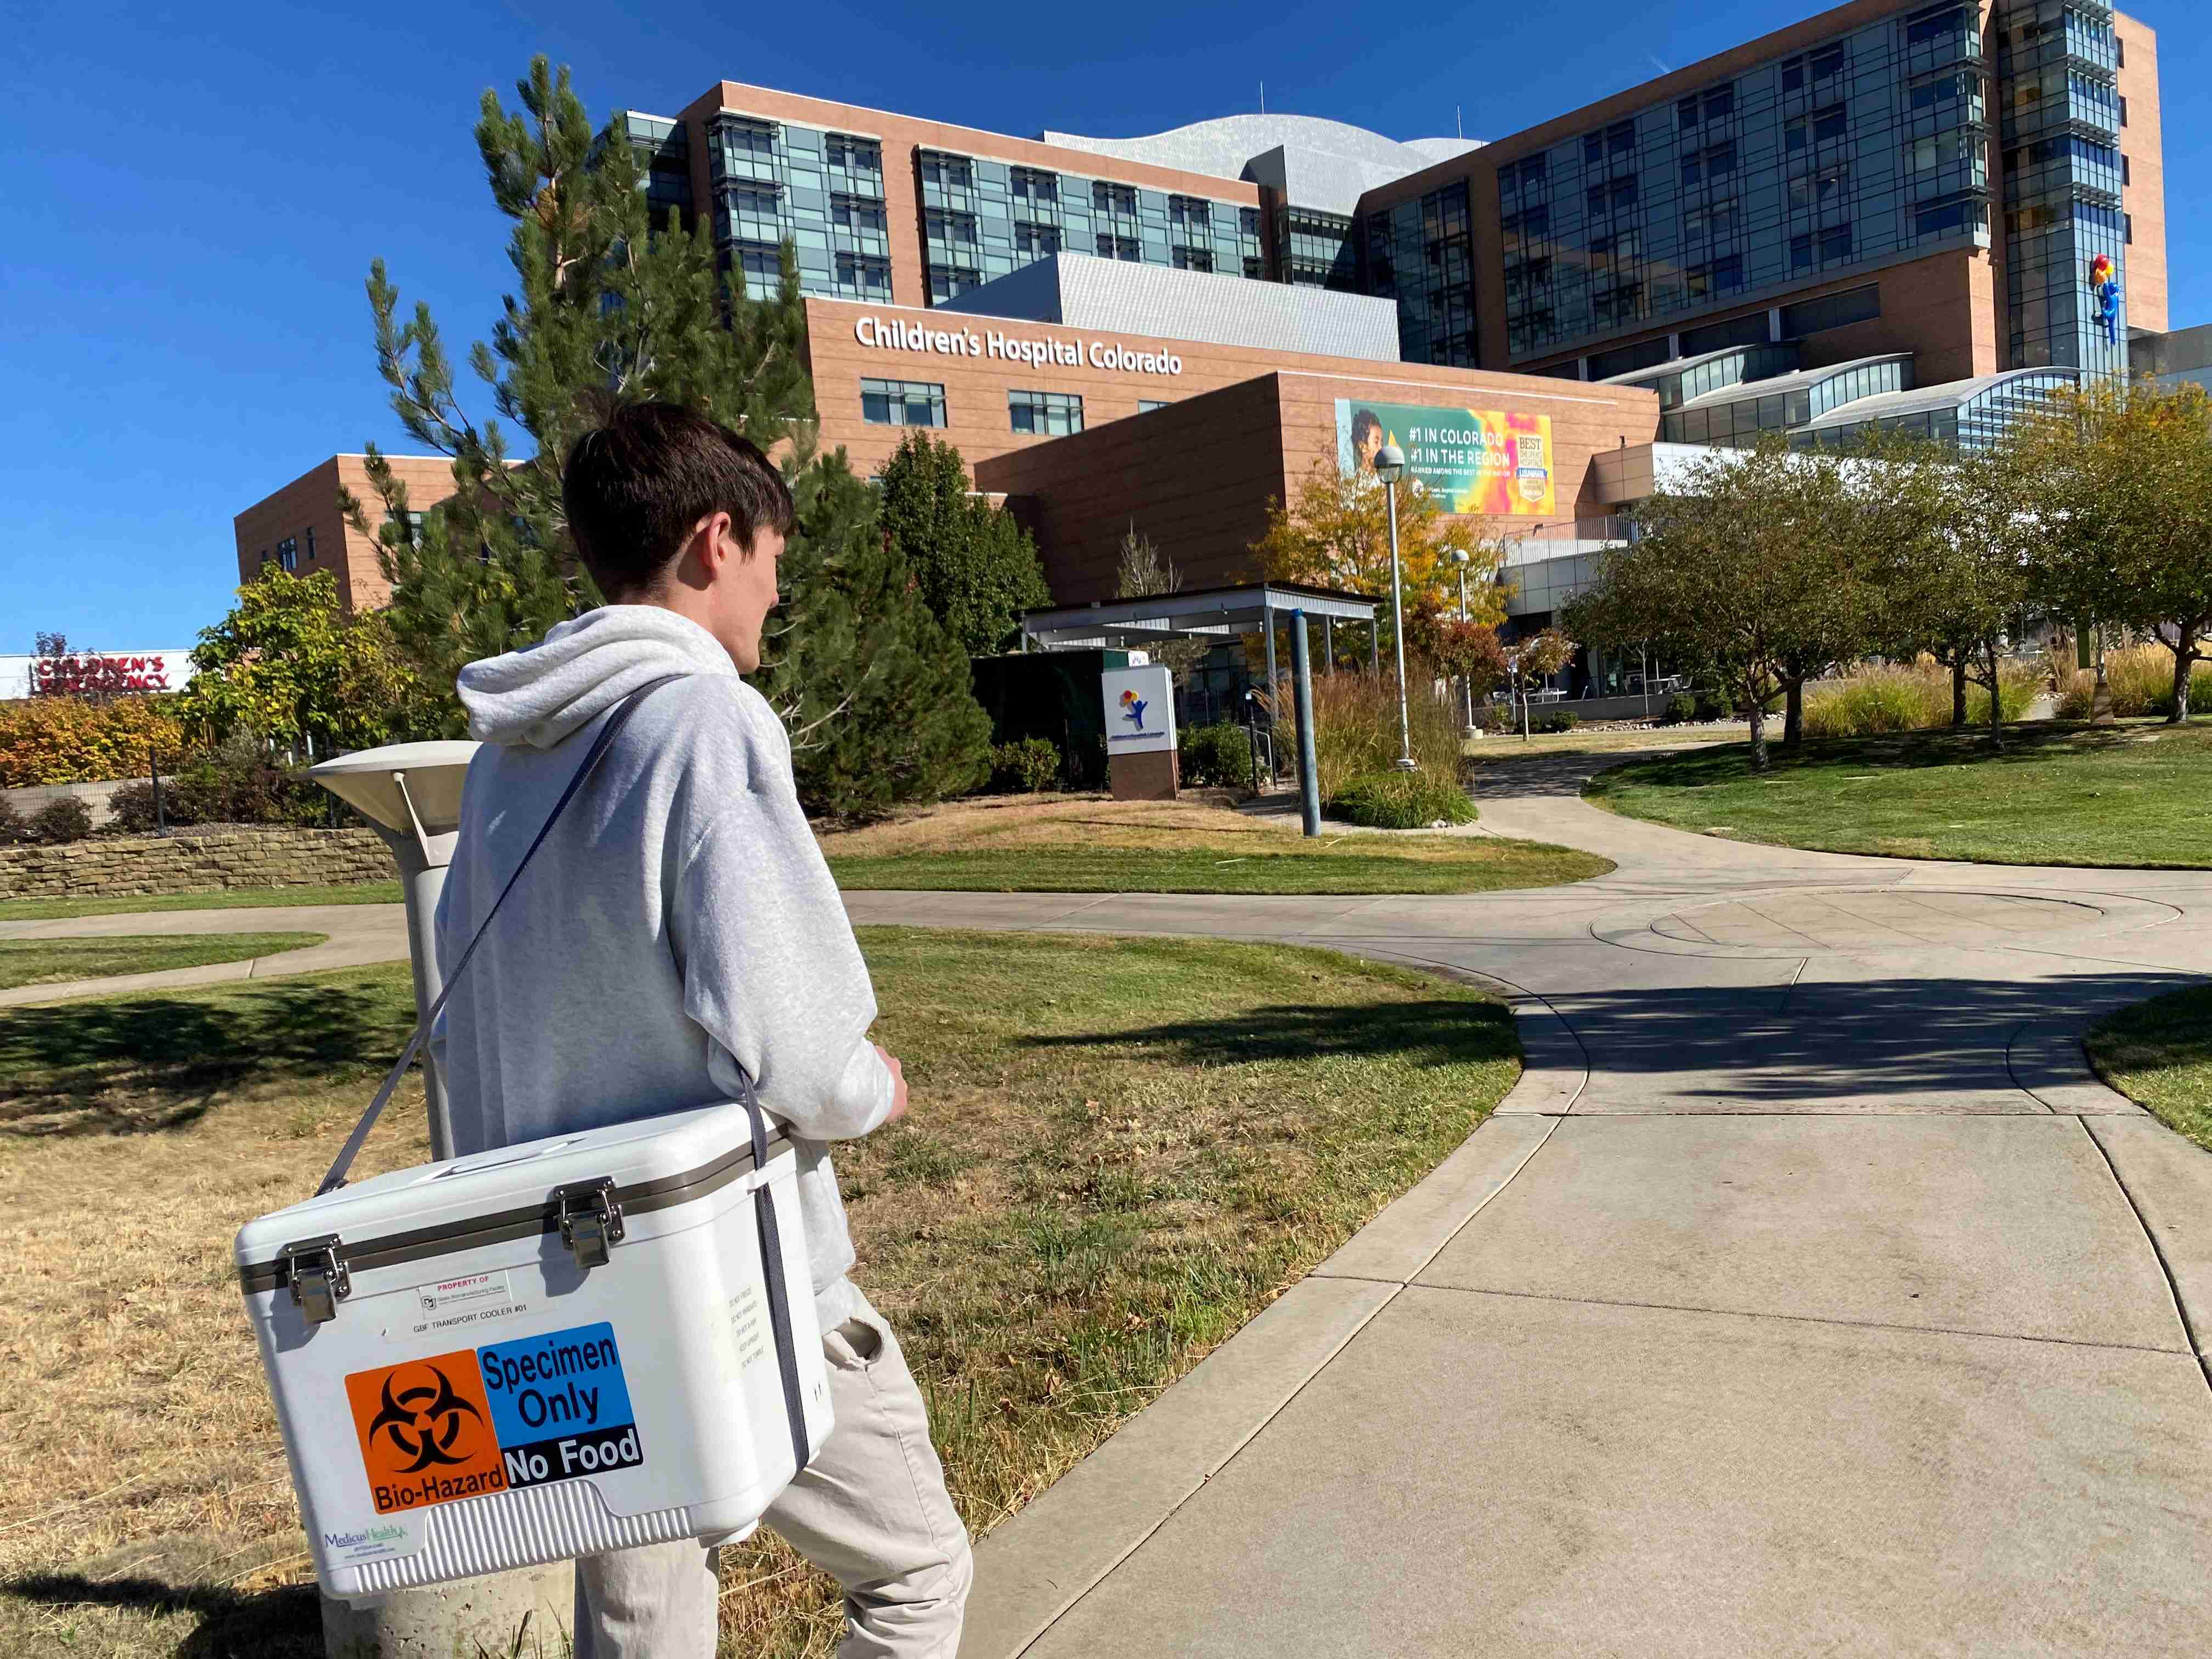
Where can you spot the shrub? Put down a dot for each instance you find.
(1491, 717)
(78, 740)
(13, 831)
(1401, 800)
(61, 820)
(1710, 706)
(1681, 708)
(1024, 767)
(132, 807)
(1556, 720)
(1220, 754)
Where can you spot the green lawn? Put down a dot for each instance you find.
(1119, 1151)
(55, 961)
(233, 898)
(2132, 795)
(1353, 865)
(2159, 1054)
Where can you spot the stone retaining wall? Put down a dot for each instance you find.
(193, 862)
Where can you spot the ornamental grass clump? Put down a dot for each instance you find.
(1356, 728)
(1872, 701)
(1400, 800)
(2140, 678)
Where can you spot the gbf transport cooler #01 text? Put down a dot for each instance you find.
(552, 1350)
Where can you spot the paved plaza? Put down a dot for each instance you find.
(1809, 1296)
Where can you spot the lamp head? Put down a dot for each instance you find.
(1459, 557)
(1389, 462)
(434, 773)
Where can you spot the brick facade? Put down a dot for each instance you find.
(308, 506)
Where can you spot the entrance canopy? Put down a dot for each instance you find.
(1225, 612)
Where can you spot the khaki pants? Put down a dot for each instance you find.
(871, 1510)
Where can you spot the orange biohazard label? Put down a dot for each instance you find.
(426, 1431)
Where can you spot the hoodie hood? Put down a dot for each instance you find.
(535, 697)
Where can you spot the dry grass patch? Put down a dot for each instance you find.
(1095, 844)
(1120, 1151)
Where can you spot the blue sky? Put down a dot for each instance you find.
(192, 194)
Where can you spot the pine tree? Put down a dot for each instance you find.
(976, 565)
(612, 308)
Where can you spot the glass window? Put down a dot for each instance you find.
(854, 154)
(1192, 259)
(1034, 239)
(1835, 243)
(1594, 147)
(1032, 185)
(856, 212)
(1256, 269)
(868, 277)
(1190, 210)
(1620, 137)
(287, 553)
(1685, 113)
(1046, 414)
(1827, 63)
(1114, 199)
(1623, 191)
(1720, 159)
(1801, 252)
(901, 402)
(1692, 169)
(1119, 247)
(1720, 104)
(1146, 405)
(1247, 221)
(1593, 198)
(941, 225)
(956, 171)
(1793, 76)
(1828, 123)
(1859, 305)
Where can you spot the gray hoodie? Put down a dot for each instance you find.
(679, 923)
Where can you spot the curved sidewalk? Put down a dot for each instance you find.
(355, 934)
(1809, 1296)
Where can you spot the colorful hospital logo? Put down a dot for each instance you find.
(1133, 709)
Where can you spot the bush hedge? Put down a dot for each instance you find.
(1681, 708)
(60, 821)
(1024, 767)
(79, 740)
(1218, 755)
(229, 788)
(1556, 720)
(1401, 800)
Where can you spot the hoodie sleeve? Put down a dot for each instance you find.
(771, 970)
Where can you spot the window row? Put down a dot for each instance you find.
(922, 403)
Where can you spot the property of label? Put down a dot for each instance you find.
(370, 1543)
(514, 1414)
(453, 1306)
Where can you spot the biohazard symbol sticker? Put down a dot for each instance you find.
(426, 1430)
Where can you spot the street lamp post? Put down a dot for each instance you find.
(1466, 681)
(1389, 462)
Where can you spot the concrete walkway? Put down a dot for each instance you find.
(1809, 1296)
(356, 933)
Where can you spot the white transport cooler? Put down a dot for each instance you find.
(548, 1351)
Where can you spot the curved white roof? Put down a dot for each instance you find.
(1329, 162)
(1951, 394)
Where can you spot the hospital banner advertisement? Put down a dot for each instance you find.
(1476, 460)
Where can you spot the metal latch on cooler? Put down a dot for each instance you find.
(317, 1273)
(591, 1219)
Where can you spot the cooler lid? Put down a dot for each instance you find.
(643, 1165)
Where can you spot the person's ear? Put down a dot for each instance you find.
(704, 553)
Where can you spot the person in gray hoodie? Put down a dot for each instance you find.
(678, 926)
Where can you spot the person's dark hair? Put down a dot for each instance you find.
(635, 487)
(1363, 423)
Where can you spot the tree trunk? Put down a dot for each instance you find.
(2185, 659)
(1997, 703)
(1959, 689)
(1792, 715)
(1758, 734)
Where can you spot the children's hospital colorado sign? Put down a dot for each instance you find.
(1037, 350)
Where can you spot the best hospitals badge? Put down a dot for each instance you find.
(1532, 476)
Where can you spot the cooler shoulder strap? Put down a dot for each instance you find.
(337, 1176)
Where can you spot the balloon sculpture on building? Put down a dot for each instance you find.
(2104, 285)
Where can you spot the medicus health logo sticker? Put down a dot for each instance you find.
(515, 1413)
